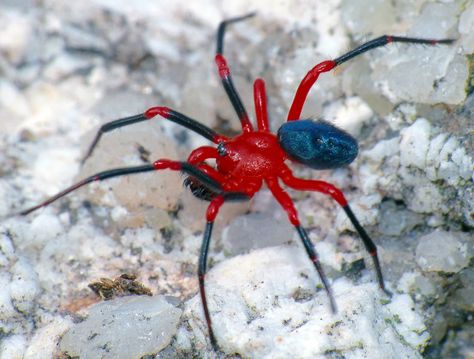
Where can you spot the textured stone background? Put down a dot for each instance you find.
(67, 67)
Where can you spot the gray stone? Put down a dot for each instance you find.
(127, 327)
(441, 251)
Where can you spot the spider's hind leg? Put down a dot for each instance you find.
(285, 201)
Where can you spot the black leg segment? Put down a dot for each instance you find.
(224, 73)
(164, 112)
(222, 27)
(109, 127)
(314, 258)
(202, 274)
(369, 245)
(97, 177)
(384, 40)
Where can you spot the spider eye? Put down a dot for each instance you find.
(221, 149)
(317, 144)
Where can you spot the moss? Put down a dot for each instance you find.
(470, 80)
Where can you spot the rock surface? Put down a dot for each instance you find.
(68, 67)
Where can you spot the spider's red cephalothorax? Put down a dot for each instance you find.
(257, 156)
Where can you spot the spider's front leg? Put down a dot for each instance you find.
(311, 77)
(152, 112)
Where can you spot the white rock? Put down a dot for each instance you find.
(426, 198)
(466, 24)
(453, 89)
(258, 311)
(53, 169)
(328, 254)
(123, 328)
(13, 106)
(367, 16)
(414, 144)
(383, 149)
(43, 229)
(408, 323)
(436, 19)
(255, 230)
(16, 32)
(7, 310)
(7, 249)
(464, 162)
(442, 251)
(349, 114)
(433, 157)
(46, 338)
(12, 347)
(24, 287)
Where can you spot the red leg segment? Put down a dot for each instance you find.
(313, 185)
(304, 87)
(198, 158)
(201, 154)
(260, 99)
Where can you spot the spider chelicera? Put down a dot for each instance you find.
(256, 156)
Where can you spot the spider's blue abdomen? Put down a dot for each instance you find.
(317, 144)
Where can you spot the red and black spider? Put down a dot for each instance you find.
(244, 162)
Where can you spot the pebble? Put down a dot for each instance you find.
(123, 328)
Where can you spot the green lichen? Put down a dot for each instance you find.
(470, 80)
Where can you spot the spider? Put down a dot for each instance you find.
(256, 156)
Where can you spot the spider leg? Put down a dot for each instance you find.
(211, 214)
(387, 39)
(311, 77)
(224, 74)
(222, 28)
(164, 112)
(329, 189)
(202, 153)
(198, 158)
(260, 99)
(285, 201)
(161, 164)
